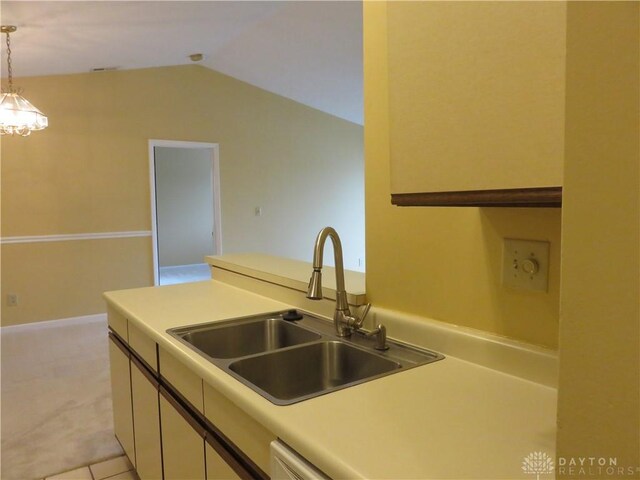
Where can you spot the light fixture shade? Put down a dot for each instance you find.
(18, 116)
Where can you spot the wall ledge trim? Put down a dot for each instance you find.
(64, 322)
(73, 236)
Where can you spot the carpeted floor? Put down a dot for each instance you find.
(56, 398)
(184, 273)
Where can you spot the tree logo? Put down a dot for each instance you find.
(537, 463)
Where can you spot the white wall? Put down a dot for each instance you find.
(184, 202)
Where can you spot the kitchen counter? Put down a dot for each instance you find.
(450, 419)
(290, 273)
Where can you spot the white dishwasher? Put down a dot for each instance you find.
(286, 464)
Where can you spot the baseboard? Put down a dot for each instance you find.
(64, 322)
(174, 267)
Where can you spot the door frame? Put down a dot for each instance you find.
(215, 184)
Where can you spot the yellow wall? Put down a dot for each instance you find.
(599, 391)
(66, 279)
(445, 263)
(89, 172)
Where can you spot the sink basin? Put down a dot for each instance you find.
(287, 361)
(247, 338)
(298, 372)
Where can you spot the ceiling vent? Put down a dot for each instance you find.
(103, 69)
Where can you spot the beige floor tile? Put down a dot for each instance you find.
(77, 474)
(109, 468)
(131, 475)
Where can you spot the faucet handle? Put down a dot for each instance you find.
(360, 315)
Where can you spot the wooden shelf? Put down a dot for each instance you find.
(516, 197)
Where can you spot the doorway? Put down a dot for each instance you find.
(185, 209)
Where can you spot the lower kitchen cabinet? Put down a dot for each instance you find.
(248, 435)
(160, 421)
(183, 448)
(146, 415)
(121, 396)
(217, 467)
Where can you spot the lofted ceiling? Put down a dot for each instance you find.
(309, 51)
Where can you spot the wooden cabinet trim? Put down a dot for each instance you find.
(118, 342)
(145, 370)
(132, 354)
(239, 463)
(184, 412)
(183, 447)
(237, 428)
(229, 451)
(514, 197)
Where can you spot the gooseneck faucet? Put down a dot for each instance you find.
(343, 321)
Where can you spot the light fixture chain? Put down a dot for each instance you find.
(17, 115)
(9, 69)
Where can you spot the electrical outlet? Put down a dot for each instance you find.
(525, 264)
(12, 300)
(257, 211)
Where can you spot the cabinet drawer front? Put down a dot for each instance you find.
(144, 346)
(247, 434)
(118, 323)
(181, 379)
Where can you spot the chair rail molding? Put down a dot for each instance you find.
(73, 236)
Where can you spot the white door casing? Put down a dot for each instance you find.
(215, 179)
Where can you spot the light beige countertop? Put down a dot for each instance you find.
(450, 419)
(291, 273)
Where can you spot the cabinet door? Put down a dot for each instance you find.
(182, 442)
(146, 411)
(476, 95)
(121, 396)
(217, 467)
(248, 435)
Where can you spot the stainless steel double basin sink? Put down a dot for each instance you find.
(287, 361)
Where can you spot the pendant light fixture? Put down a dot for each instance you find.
(17, 115)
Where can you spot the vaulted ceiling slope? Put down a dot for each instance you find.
(309, 51)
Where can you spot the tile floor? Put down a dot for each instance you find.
(118, 468)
